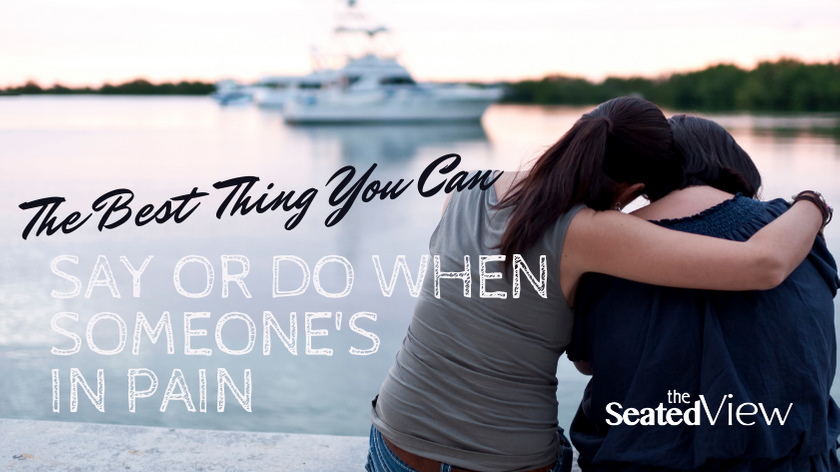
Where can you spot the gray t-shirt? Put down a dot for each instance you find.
(474, 384)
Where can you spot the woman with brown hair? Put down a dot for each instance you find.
(473, 386)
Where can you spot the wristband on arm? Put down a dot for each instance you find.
(817, 199)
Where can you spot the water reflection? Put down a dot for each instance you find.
(815, 134)
(390, 143)
(793, 126)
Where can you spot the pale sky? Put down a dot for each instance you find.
(88, 42)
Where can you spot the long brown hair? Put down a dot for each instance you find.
(626, 139)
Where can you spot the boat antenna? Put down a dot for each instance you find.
(353, 24)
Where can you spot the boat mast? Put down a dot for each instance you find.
(360, 35)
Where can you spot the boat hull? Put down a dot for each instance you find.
(391, 106)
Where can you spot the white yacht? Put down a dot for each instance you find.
(373, 87)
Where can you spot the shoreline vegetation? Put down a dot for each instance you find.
(134, 87)
(784, 85)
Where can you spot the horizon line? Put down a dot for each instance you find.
(593, 79)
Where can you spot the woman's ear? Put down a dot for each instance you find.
(627, 195)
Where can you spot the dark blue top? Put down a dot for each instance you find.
(769, 348)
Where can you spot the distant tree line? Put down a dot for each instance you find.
(134, 87)
(783, 85)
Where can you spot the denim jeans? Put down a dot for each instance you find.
(382, 459)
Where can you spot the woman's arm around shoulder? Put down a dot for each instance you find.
(625, 246)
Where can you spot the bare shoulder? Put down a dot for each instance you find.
(587, 220)
(682, 203)
(647, 212)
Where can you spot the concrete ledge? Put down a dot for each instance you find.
(59, 446)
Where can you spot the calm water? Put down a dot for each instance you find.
(80, 148)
